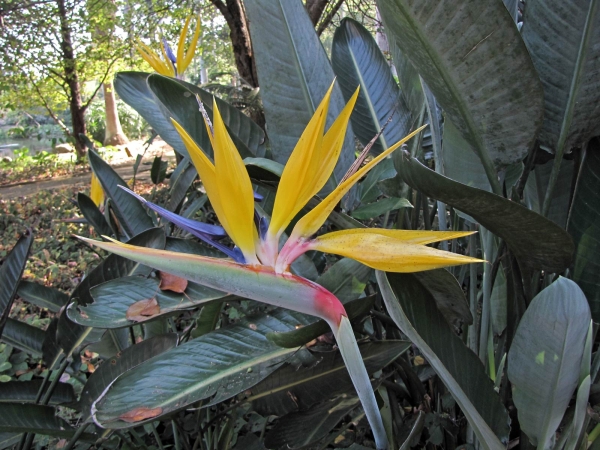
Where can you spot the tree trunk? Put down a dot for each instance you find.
(234, 14)
(114, 133)
(315, 10)
(70, 68)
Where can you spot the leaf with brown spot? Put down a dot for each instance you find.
(172, 283)
(143, 309)
(141, 413)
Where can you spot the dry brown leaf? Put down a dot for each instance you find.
(141, 413)
(143, 309)
(172, 283)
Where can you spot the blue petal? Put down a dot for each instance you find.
(263, 226)
(206, 232)
(169, 52)
(258, 197)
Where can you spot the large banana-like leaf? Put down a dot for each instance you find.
(93, 215)
(537, 242)
(27, 391)
(563, 39)
(584, 226)
(294, 74)
(133, 90)
(215, 366)
(410, 82)
(23, 336)
(113, 300)
(473, 59)
(121, 363)
(357, 61)
(544, 360)
(460, 161)
(448, 295)
(42, 296)
(537, 185)
(132, 216)
(179, 100)
(39, 419)
(10, 273)
(290, 388)
(414, 312)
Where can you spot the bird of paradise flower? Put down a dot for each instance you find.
(259, 269)
(170, 64)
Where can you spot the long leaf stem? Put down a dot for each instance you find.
(488, 251)
(568, 115)
(76, 436)
(360, 378)
(176, 435)
(473, 329)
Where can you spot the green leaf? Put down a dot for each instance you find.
(42, 296)
(414, 311)
(537, 185)
(26, 392)
(346, 279)
(178, 98)
(290, 388)
(218, 365)
(583, 226)
(181, 181)
(469, 58)
(24, 418)
(267, 170)
(294, 74)
(113, 299)
(579, 419)
(498, 303)
(158, 171)
(460, 161)
(357, 61)
(379, 208)
(133, 90)
(24, 337)
(132, 216)
(263, 169)
(564, 50)
(119, 364)
(410, 81)
(11, 271)
(448, 295)
(369, 187)
(299, 429)
(537, 242)
(513, 8)
(544, 359)
(93, 215)
(69, 335)
(9, 439)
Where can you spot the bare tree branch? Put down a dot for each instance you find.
(48, 108)
(329, 17)
(87, 104)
